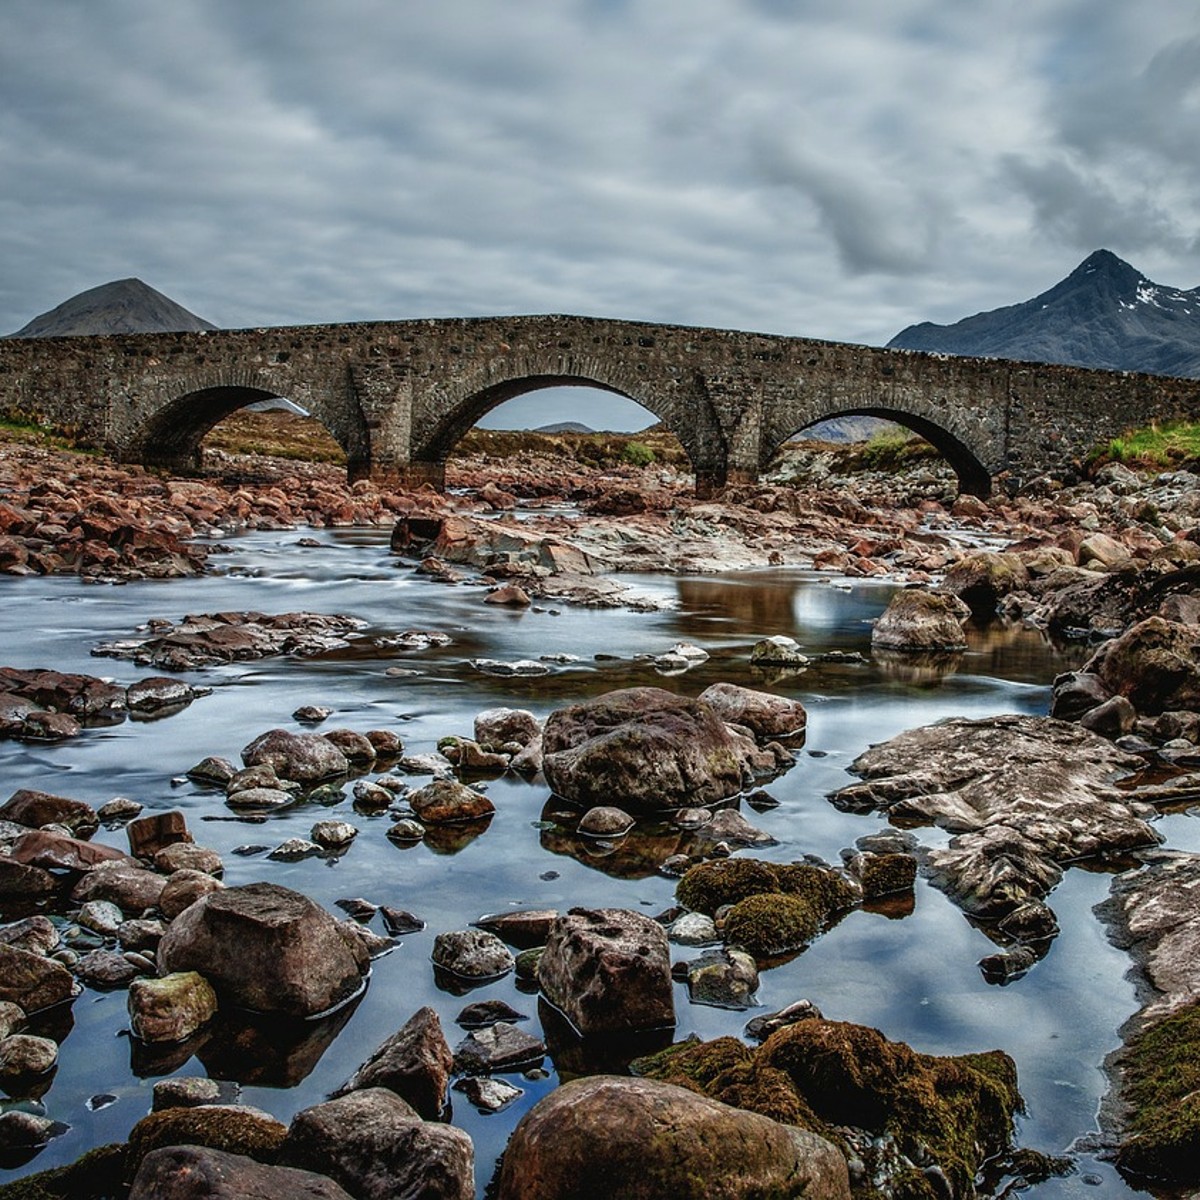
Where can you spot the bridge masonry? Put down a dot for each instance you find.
(399, 395)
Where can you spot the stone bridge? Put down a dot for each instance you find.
(399, 395)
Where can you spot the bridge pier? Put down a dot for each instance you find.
(410, 477)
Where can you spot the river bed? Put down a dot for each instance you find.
(916, 978)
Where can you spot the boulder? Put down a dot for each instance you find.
(266, 948)
(171, 1008)
(645, 1140)
(778, 651)
(608, 970)
(378, 1148)
(446, 801)
(229, 1127)
(472, 954)
(497, 728)
(183, 888)
(918, 620)
(35, 809)
(31, 981)
(24, 1055)
(498, 1047)
(131, 888)
(983, 578)
(414, 1063)
(201, 1173)
(52, 851)
(644, 749)
(306, 758)
(1155, 665)
(766, 716)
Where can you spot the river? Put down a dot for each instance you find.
(915, 978)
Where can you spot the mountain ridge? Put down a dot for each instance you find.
(1104, 314)
(121, 306)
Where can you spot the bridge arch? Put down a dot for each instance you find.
(171, 433)
(967, 451)
(448, 417)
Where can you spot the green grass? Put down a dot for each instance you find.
(1154, 446)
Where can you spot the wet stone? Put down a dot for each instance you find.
(472, 954)
(106, 969)
(191, 1091)
(102, 917)
(487, 1012)
(333, 834)
(488, 1095)
(400, 921)
(294, 849)
(497, 1047)
(24, 1055)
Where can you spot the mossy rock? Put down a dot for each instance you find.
(707, 886)
(773, 923)
(825, 888)
(96, 1175)
(231, 1128)
(961, 1107)
(1161, 1072)
(726, 1070)
(693, 1061)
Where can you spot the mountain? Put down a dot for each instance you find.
(124, 306)
(1104, 314)
(564, 427)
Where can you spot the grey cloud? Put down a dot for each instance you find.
(730, 162)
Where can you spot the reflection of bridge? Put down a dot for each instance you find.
(399, 395)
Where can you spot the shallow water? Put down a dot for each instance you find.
(914, 978)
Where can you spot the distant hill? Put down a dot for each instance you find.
(564, 427)
(1105, 314)
(124, 306)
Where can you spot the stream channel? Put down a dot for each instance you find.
(914, 977)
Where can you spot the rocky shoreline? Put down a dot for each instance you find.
(1112, 564)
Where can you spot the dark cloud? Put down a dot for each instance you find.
(740, 163)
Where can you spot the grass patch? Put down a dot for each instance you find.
(1154, 447)
(276, 434)
(889, 451)
(604, 450)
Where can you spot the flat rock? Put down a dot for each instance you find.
(1025, 795)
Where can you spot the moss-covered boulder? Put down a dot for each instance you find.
(772, 923)
(1161, 1074)
(232, 1128)
(960, 1108)
(708, 886)
(940, 1114)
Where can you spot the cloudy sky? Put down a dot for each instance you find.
(833, 168)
